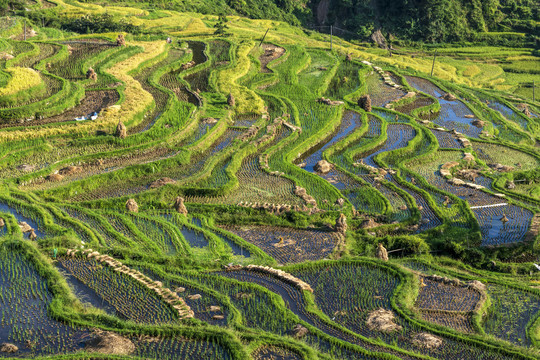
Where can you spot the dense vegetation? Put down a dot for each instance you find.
(514, 21)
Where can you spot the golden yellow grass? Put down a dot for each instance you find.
(136, 101)
(21, 79)
(246, 100)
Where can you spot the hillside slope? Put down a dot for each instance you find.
(424, 20)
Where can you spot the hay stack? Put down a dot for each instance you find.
(477, 285)
(121, 130)
(179, 206)
(230, 100)
(299, 331)
(33, 235)
(91, 74)
(469, 157)
(131, 206)
(427, 341)
(501, 167)
(6, 56)
(8, 348)
(55, 177)
(504, 219)
(382, 320)
(69, 170)
(106, 342)
(161, 182)
(381, 253)
(478, 123)
(341, 224)
(524, 108)
(329, 102)
(120, 40)
(449, 97)
(188, 65)
(25, 228)
(369, 224)
(348, 57)
(510, 185)
(323, 167)
(2, 223)
(365, 102)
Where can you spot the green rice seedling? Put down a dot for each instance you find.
(129, 298)
(24, 307)
(511, 313)
(170, 349)
(275, 353)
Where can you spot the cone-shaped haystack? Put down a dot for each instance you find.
(131, 205)
(91, 74)
(504, 219)
(179, 206)
(381, 253)
(120, 40)
(341, 224)
(348, 57)
(230, 100)
(2, 223)
(365, 102)
(121, 130)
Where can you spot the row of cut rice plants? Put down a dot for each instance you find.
(207, 304)
(129, 298)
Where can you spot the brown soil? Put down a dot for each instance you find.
(426, 340)
(161, 182)
(382, 320)
(106, 342)
(271, 53)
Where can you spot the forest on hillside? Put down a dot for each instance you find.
(512, 21)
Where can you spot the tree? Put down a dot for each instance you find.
(4, 7)
(7, 5)
(221, 26)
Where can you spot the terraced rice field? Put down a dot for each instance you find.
(216, 196)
